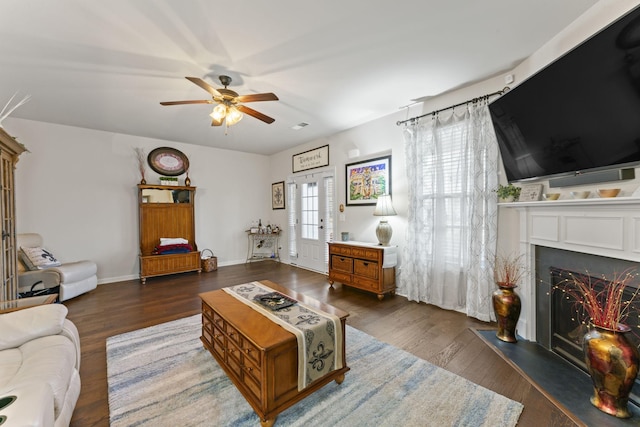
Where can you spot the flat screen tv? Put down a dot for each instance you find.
(579, 114)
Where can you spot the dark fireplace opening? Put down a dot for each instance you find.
(567, 329)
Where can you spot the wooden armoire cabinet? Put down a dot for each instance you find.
(166, 212)
(10, 150)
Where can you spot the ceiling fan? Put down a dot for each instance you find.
(229, 109)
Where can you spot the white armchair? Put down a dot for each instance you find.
(72, 278)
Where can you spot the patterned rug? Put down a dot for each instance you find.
(163, 376)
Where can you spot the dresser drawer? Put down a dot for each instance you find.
(251, 352)
(232, 362)
(252, 381)
(367, 269)
(340, 277)
(341, 263)
(364, 283)
(218, 348)
(365, 253)
(340, 250)
(218, 321)
(253, 371)
(232, 334)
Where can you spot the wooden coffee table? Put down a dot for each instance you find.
(258, 355)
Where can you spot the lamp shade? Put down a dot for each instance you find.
(384, 207)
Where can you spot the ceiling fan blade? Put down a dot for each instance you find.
(257, 97)
(255, 114)
(204, 85)
(198, 101)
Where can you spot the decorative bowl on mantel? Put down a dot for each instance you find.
(608, 192)
(551, 196)
(580, 194)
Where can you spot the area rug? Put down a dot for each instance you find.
(163, 376)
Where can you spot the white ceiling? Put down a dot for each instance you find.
(334, 64)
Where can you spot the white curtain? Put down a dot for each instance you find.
(452, 170)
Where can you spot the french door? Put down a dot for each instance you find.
(311, 219)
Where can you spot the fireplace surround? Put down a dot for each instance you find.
(598, 237)
(608, 229)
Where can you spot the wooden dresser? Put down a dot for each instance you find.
(258, 355)
(363, 266)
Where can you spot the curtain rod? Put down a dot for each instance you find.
(500, 92)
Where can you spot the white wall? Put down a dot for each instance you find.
(77, 187)
(374, 139)
(383, 135)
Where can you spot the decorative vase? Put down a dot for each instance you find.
(612, 363)
(187, 181)
(143, 181)
(506, 306)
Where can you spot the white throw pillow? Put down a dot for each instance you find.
(38, 258)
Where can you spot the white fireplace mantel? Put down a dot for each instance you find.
(605, 227)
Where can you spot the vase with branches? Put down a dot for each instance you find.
(141, 158)
(604, 305)
(508, 271)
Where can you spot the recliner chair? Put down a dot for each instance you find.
(72, 278)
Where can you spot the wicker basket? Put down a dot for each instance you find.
(209, 262)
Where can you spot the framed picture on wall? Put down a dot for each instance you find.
(366, 180)
(277, 195)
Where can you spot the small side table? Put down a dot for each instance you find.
(19, 304)
(263, 246)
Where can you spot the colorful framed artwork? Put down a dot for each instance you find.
(277, 195)
(368, 179)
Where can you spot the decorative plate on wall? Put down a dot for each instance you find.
(168, 161)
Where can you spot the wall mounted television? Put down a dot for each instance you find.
(579, 114)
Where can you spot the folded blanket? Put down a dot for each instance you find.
(173, 241)
(173, 249)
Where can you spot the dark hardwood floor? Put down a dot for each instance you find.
(442, 337)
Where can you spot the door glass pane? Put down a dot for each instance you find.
(309, 198)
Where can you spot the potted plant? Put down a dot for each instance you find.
(508, 193)
(612, 361)
(508, 271)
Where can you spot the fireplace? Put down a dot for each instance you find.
(598, 237)
(566, 329)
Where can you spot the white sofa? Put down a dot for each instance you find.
(72, 278)
(40, 366)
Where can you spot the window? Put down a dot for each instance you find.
(445, 186)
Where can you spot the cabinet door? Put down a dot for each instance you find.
(7, 216)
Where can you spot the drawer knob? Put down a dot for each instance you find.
(248, 369)
(231, 334)
(247, 350)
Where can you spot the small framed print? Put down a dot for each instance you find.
(530, 193)
(277, 195)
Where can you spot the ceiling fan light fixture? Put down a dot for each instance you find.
(219, 112)
(233, 116)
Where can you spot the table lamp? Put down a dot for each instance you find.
(384, 208)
